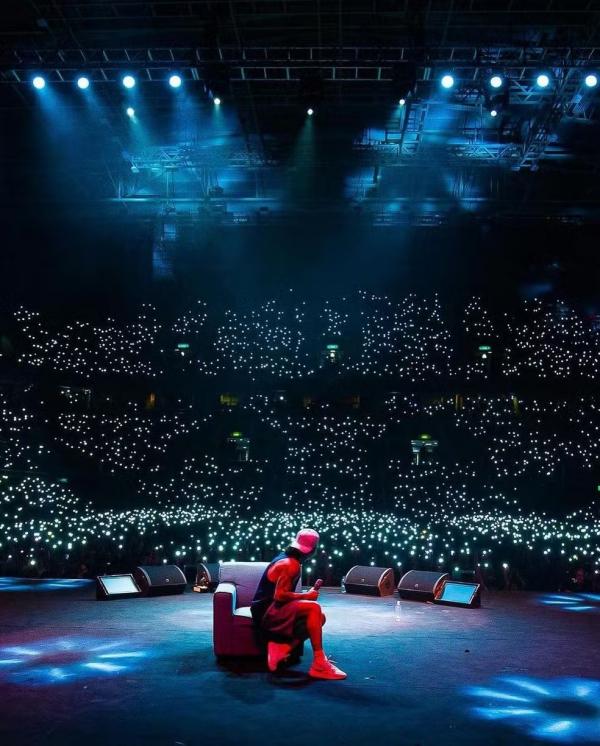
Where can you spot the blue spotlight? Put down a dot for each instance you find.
(39, 82)
(216, 101)
(128, 81)
(495, 81)
(402, 101)
(83, 82)
(543, 80)
(175, 81)
(591, 80)
(130, 111)
(493, 113)
(447, 81)
(310, 112)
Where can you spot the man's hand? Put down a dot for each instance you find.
(311, 595)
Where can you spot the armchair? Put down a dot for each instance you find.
(233, 629)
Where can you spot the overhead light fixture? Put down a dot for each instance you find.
(447, 81)
(591, 80)
(310, 112)
(128, 81)
(39, 82)
(216, 101)
(496, 81)
(83, 82)
(543, 80)
(402, 101)
(175, 81)
(130, 111)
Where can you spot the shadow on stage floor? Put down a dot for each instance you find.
(525, 668)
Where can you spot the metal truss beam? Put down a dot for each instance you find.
(262, 63)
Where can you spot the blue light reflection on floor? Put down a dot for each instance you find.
(563, 710)
(67, 659)
(45, 584)
(572, 601)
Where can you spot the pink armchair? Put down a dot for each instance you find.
(233, 630)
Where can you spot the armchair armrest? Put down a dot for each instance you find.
(225, 597)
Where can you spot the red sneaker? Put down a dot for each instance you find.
(325, 669)
(276, 653)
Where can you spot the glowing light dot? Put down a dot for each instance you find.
(542, 80)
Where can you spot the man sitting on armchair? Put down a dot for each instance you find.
(285, 618)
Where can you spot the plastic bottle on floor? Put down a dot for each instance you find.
(397, 611)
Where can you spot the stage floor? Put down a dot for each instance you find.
(525, 668)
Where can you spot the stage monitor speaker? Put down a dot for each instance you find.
(421, 585)
(159, 580)
(116, 586)
(454, 593)
(371, 581)
(207, 577)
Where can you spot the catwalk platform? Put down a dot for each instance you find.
(525, 668)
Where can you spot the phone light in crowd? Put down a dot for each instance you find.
(543, 80)
(217, 101)
(39, 82)
(128, 81)
(83, 82)
(447, 81)
(130, 111)
(175, 81)
(402, 101)
(495, 81)
(591, 80)
(310, 112)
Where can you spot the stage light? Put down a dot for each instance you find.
(493, 113)
(542, 80)
(130, 111)
(402, 101)
(447, 81)
(128, 81)
(83, 82)
(310, 112)
(495, 81)
(591, 80)
(175, 81)
(39, 82)
(216, 101)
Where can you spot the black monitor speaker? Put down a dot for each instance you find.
(159, 580)
(421, 585)
(207, 577)
(370, 581)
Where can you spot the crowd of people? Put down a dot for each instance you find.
(452, 481)
(410, 339)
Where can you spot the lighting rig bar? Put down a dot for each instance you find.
(262, 63)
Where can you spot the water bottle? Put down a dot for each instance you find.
(397, 611)
(343, 584)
